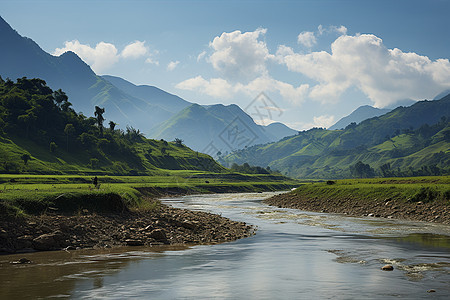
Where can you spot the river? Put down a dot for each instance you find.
(293, 255)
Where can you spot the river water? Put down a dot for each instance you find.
(293, 255)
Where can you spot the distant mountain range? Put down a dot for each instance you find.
(408, 140)
(218, 128)
(142, 107)
(360, 114)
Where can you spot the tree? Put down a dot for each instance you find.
(25, 157)
(112, 125)
(60, 99)
(68, 130)
(361, 170)
(178, 142)
(99, 116)
(53, 147)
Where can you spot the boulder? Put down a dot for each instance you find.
(158, 234)
(48, 241)
(387, 268)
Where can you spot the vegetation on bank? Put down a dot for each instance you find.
(408, 189)
(36, 194)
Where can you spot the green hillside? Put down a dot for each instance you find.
(407, 141)
(40, 133)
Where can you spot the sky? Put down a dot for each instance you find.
(305, 63)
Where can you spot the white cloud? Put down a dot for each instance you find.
(323, 121)
(342, 30)
(105, 55)
(362, 61)
(135, 50)
(151, 60)
(201, 56)
(172, 65)
(221, 88)
(100, 58)
(215, 87)
(307, 39)
(240, 56)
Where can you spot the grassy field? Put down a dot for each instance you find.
(411, 189)
(24, 194)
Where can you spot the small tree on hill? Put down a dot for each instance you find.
(112, 125)
(99, 116)
(25, 157)
(68, 130)
(53, 147)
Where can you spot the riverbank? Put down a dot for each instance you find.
(417, 199)
(160, 225)
(114, 216)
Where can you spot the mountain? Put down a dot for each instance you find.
(215, 128)
(141, 107)
(408, 139)
(442, 95)
(151, 94)
(360, 114)
(278, 131)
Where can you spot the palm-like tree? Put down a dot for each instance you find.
(99, 115)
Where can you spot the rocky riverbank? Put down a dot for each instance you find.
(162, 225)
(386, 208)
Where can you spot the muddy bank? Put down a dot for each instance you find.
(386, 208)
(163, 225)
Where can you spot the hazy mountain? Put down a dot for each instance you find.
(442, 95)
(215, 128)
(21, 57)
(277, 131)
(406, 137)
(151, 94)
(358, 115)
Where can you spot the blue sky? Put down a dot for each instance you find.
(316, 60)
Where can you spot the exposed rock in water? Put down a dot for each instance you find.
(387, 268)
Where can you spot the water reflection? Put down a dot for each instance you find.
(57, 273)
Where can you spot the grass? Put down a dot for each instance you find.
(413, 189)
(34, 194)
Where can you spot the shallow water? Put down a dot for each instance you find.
(294, 255)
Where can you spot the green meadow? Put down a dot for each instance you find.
(35, 194)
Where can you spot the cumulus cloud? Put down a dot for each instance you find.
(221, 88)
(172, 65)
(101, 57)
(215, 87)
(105, 55)
(240, 56)
(135, 50)
(323, 121)
(307, 39)
(362, 61)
